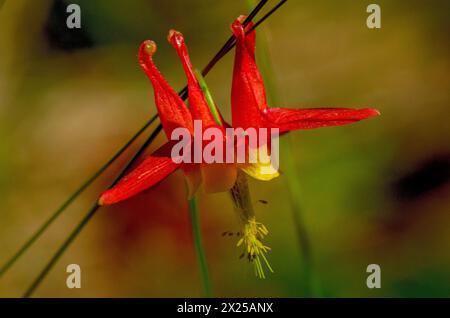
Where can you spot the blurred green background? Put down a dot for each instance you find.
(373, 192)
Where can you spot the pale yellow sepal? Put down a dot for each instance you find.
(263, 168)
(259, 171)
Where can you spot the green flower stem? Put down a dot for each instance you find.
(208, 97)
(199, 250)
(294, 188)
(195, 221)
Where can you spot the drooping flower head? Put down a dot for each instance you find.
(249, 111)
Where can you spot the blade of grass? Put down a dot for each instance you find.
(199, 250)
(195, 221)
(77, 230)
(71, 198)
(294, 188)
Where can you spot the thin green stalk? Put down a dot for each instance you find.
(209, 100)
(199, 251)
(72, 197)
(195, 222)
(294, 187)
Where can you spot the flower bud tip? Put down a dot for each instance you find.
(175, 38)
(149, 47)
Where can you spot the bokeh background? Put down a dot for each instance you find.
(373, 192)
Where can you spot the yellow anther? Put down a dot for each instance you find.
(252, 236)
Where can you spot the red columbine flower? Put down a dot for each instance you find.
(249, 110)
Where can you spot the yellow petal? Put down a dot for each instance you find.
(260, 166)
(260, 171)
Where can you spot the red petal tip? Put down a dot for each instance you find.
(238, 28)
(241, 18)
(101, 201)
(372, 112)
(175, 38)
(147, 49)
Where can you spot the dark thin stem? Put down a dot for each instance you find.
(83, 187)
(61, 250)
(80, 226)
(199, 250)
(268, 14)
(86, 219)
(229, 44)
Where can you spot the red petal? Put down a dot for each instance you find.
(148, 173)
(248, 93)
(171, 108)
(197, 102)
(292, 119)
